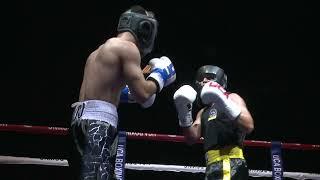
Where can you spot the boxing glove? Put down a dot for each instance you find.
(126, 97)
(212, 92)
(183, 100)
(162, 72)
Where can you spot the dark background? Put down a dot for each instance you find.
(266, 48)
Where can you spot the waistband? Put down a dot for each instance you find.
(96, 110)
(224, 153)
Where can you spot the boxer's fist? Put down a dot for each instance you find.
(126, 97)
(162, 72)
(183, 100)
(212, 92)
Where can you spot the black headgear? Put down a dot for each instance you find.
(214, 73)
(143, 27)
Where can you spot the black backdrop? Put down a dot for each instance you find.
(266, 48)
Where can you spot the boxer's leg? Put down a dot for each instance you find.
(239, 169)
(94, 139)
(97, 153)
(229, 168)
(77, 139)
(214, 171)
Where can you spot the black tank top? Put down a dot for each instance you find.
(218, 131)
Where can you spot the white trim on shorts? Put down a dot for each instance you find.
(96, 110)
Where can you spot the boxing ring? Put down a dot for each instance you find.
(276, 160)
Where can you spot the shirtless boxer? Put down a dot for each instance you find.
(111, 71)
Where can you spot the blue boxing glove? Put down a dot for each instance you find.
(162, 72)
(126, 97)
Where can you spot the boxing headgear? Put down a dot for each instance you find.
(143, 26)
(211, 72)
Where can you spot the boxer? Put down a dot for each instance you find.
(223, 120)
(109, 70)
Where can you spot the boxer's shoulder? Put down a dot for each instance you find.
(116, 42)
(118, 46)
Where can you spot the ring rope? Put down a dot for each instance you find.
(29, 129)
(152, 167)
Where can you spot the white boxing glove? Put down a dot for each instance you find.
(212, 92)
(183, 99)
(162, 72)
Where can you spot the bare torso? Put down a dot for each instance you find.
(102, 78)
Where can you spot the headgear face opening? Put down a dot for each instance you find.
(144, 28)
(210, 72)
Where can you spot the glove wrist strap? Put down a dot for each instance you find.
(154, 79)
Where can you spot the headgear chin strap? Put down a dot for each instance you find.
(143, 27)
(214, 73)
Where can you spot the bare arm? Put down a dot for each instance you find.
(245, 119)
(193, 133)
(140, 88)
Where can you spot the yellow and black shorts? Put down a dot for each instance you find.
(226, 164)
